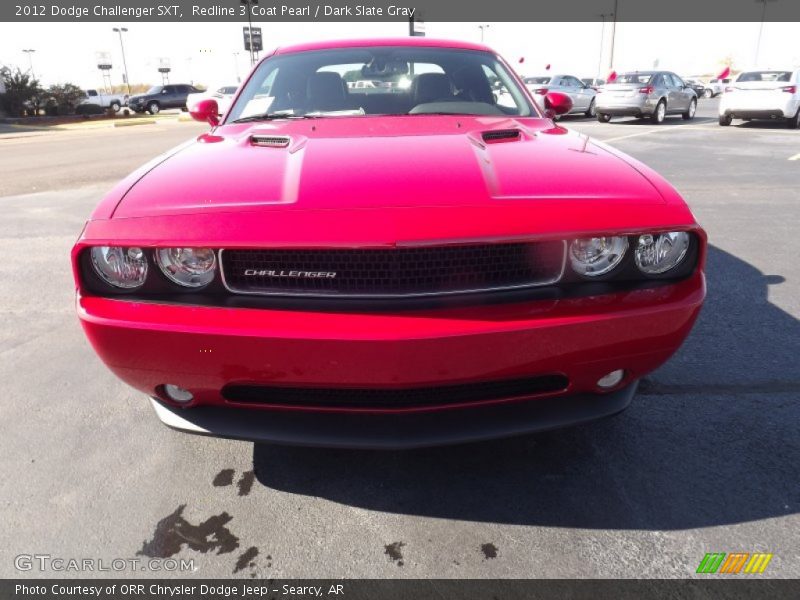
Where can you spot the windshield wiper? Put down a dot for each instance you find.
(272, 117)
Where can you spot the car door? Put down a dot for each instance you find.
(182, 93)
(666, 86)
(167, 96)
(683, 93)
(582, 92)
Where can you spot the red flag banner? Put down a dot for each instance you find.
(725, 72)
(612, 76)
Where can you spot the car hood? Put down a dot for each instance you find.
(382, 162)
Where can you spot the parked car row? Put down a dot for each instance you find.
(655, 95)
(158, 98)
(643, 94)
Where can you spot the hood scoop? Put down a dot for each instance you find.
(270, 141)
(501, 135)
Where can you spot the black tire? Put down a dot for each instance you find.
(794, 122)
(153, 108)
(659, 113)
(590, 112)
(689, 114)
(725, 120)
(603, 118)
(115, 106)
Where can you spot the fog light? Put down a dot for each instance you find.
(178, 394)
(611, 379)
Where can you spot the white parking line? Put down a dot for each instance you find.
(795, 157)
(697, 128)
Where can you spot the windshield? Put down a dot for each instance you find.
(765, 76)
(156, 89)
(634, 78)
(380, 80)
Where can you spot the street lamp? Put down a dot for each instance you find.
(482, 28)
(613, 34)
(602, 39)
(236, 66)
(29, 52)
(761, 28)
(120, 31)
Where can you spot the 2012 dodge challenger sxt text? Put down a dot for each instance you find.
(387, 243)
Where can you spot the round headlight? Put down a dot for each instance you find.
(592, 257)
(124, 268)
(660, 252)
(188, 267)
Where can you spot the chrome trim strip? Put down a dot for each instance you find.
(394, 296)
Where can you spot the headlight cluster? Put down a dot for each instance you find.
(654, 254)
(126, 268)
(592, 257)
(189, 267)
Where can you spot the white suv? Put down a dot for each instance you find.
(762, 95)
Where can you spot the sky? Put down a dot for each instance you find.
(204, 53)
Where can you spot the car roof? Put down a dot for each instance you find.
(418, 42)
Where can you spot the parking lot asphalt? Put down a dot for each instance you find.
(707, 459)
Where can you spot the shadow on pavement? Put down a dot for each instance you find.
(713, 444)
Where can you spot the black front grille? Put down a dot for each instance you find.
(393, 272)
(407, 398)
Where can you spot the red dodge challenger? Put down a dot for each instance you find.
(388, 244)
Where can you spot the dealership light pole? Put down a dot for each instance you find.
(236, 66)
(248, 4)
(483, 28)
(29, 52)
(602, 39)
(120, 31)
(761, 28)
(613, 34)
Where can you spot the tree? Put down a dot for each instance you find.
(21, 90)
(63, 98)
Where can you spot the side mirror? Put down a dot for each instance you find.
(206, 110)
(558, 103)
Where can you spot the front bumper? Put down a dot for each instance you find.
(204, 349)
(395, 432)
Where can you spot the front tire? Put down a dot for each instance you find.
(591, 111)
(708, 93)
(689, 114)
(603, 118)
(659, 113)
(153, 108)
(115, 106)
(725, 120)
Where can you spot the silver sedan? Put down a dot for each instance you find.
(583, 95)
(646, 94)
